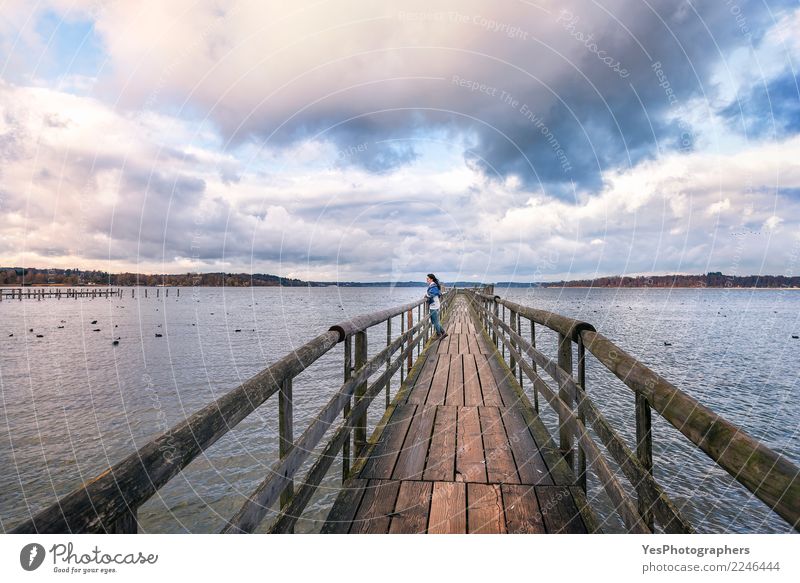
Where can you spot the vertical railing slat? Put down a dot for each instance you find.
(360, 426)
(348, 371)
(285, 432)
(565, 364)
(644, 451)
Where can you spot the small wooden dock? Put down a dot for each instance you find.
(61, 292)
(455, 453)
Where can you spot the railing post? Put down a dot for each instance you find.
(512, 362)
(360, 429)
(419, 319)
(565, 363)
(402, 345)
(125, 524)
(533, 365)
(494, 326)
(581, 416)
(519, 331)
(285, 432)
(427, 326)
(503, 344)
(348, 370)
(388, 361)
(644, 451)
(410, 326)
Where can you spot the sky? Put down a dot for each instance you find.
(379, 141)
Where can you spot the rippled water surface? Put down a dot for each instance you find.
(73, 404)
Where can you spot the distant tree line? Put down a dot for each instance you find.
(715, 279)
(77, 277)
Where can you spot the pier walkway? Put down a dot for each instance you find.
(456, 455)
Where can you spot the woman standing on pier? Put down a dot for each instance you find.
(433, 297)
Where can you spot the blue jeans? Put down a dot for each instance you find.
(435, 321)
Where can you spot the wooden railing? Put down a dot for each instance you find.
(767, 474)
(109, 502)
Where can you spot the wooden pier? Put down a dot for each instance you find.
(460, 448)
(456, 454)
(67, 293)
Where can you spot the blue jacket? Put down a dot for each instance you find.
(433, 296)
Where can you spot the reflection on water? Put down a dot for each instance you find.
(73, 403)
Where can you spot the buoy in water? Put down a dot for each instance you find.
(115, 343)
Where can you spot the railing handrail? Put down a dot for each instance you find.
(121, 489)
(772, 477)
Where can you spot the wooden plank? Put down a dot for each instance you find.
(472, 384)
(473, 347)
(500, 466)
(444, 344)
(529, 461)
(470, 460)
(448, 509)
(560, 513)
(382, 459)
(485, 509)
(455, 382)
(522, 510)
(504, 379)
(438, 389)
(345, 507)
(463, 343)
(441, 461)
(419, 392)
(411, 462)
(377, 505)
(455, 339)
(491, 395)
(412, 508)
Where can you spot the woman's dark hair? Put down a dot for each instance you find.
(436, 281)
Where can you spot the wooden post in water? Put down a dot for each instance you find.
(360, 426)
(286, 432)
(565, 364)
(644, 451)
(348, 370)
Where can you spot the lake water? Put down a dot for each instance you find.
(73, 404)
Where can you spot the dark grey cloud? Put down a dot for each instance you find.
(592, 88)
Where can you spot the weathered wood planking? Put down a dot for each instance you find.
(411, 461)
(522, 510)
(377, 504)
(459, 454)
(382, 459)
(448, 508)
(485, 514)
(412, 509)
